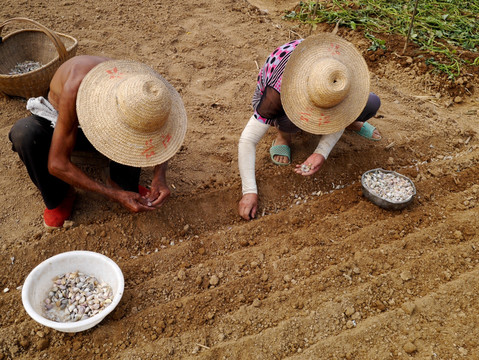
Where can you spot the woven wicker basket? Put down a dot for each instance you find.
(48, 48)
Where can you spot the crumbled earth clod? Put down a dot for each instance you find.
(409, 348)
(214, 280)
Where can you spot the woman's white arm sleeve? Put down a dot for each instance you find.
(327, 142)
(251, 135)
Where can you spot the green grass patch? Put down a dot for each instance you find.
(441, 29)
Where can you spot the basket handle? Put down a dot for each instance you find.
(62, 52)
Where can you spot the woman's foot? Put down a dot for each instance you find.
(365, 129)
(283, 138)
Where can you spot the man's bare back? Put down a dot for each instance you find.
(73, 71)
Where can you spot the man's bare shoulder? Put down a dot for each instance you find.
(72, 72)
(78, 65)
(86, 60)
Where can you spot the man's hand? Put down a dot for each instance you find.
(157, 195)
(312, 164)
(133, 201)
(152, 200)
(248, 206)
(159, 191)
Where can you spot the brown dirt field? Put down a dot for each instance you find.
(314, 277)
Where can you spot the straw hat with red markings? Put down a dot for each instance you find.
(325, 84)
(130, 113)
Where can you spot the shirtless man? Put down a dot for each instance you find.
(45, 142)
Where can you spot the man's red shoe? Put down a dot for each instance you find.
(54, 218)
(143, 191)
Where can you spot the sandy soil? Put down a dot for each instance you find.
(314, 277)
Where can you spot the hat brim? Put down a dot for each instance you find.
(98, 116)
(294, 97)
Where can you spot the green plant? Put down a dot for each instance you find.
(439, 27)
(375, 42)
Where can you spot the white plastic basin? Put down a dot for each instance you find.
(39, 282)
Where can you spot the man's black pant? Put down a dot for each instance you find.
(31, 138)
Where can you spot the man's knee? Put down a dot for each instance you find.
(24, 133)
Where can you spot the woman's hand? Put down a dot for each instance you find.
(312, 164)
(248, 206)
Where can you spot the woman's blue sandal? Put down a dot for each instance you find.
(280, 150)
(367, 131)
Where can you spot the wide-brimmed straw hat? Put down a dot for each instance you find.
(325, 84)
(130, 113)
